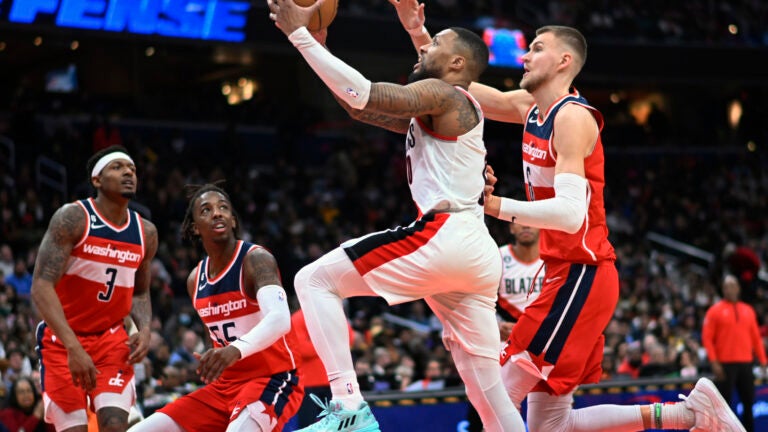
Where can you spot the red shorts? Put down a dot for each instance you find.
(562, 330)
(109, 353)
(212, 407)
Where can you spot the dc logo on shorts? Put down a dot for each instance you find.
(116, 380)
(350, 390)
(352, 92)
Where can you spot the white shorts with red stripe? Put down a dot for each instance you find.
(448, 259)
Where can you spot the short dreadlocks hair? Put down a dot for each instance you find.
(194, 192)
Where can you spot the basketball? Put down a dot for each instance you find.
(323, 16)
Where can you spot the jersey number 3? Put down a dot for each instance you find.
(110, 283)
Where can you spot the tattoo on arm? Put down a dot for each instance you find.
(388, 122)
(426, 97)
(66, 228)
(141, 308)
(261, 269)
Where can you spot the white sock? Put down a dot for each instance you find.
(555, 413)
(345, 388)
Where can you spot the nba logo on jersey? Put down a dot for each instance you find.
(350, 390)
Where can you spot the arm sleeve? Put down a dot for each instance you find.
(565, 212)
(344, 81)
(274, 325)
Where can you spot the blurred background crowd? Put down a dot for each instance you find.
(686, 190)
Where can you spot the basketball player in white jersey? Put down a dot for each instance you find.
(558, 341)
(447, 256)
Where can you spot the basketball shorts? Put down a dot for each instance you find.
(447, 259)
(109, 353)
(562, 330)
(211, 408)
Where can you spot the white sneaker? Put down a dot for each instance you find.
(711, 412)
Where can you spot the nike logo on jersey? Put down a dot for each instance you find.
(548, 280)
(114, 330)
(95, 225)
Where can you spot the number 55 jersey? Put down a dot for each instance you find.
(229, 313)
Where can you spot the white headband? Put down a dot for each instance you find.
(106, 159)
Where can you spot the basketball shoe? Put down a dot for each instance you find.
(711, 412)
(338, 419)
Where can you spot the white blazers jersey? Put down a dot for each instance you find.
(520, 283)
(446, 174)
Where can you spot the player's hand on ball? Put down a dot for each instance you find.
(288, 16)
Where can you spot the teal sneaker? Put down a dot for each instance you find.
(338, 419)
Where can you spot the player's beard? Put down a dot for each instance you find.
(129, 195)
(421, 74)
(531, 84)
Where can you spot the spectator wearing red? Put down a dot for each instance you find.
(731, 337)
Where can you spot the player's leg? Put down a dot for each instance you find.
(112, 408)
(745, 388)
(64, 405)
(157, 422)
(554, 413)
(75, 421)
(321, 286)
(485, 390)
(468, 332)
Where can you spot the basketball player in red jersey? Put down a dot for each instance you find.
(557, 343)
(93, 270)
(446, 257)
(251, 371)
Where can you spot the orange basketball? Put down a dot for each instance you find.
(323, 16)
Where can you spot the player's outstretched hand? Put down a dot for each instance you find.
(82, 368)
(288, 16)
(410, 13)
(214, 361)
(139, 343)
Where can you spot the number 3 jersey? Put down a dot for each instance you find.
(96, 289)
(229, 313)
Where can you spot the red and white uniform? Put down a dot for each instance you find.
(96, 292)
(268, 376)
(447, 256)
(562, 329)
(520, 283)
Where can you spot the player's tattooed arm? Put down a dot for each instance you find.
(260, 269)
(394, 124)
(429, 97)
(141, 310)
(66, 228)
(141, 306)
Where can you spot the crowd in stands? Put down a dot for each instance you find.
(690, 21)
(305, 186)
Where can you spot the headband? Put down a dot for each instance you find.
(106, 159)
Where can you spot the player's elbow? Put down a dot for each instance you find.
(282, 324)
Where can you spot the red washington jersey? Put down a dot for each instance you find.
(590, 244)
(96, 289)
(229, 313)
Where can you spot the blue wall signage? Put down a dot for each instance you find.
(223, 20)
